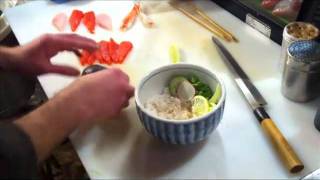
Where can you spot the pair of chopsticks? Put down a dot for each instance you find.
(196, 14)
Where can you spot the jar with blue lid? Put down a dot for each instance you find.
(301, 73)
(296, 31)
(60, 1)
(317, 121)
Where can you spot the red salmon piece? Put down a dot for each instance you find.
(124, 49)
(75, 19)
(98, 56)
(113, 49)
(91, 59)
(89, 20)
(104, 49)
(84, 57)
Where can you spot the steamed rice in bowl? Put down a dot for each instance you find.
(169, 107)
(165, 116)
(185, 97)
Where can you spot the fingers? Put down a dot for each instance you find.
(76, 52)
(125, 78)
(269, 4)
(120, 82)
(285, 12)
(130, 91)
(120, 74)
(125, 103)
(129, 94)
(60, 42)
(127, 88)
(65, 70)
(291, 11)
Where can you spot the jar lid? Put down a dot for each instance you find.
(300, 31)
(306, 51)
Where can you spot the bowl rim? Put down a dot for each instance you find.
(173, 66)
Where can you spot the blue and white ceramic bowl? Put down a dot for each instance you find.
(177, 131)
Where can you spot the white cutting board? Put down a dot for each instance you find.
(121, 148)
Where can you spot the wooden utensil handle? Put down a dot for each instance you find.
(286, 152)
(203, 24)
(216, 25)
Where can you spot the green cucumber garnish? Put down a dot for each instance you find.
(202, 89)
(174, 83)
(216, 96)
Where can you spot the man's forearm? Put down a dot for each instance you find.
(50, 124)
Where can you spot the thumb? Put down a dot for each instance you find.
(65, 70)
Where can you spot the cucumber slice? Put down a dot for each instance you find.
(212, 106)
(174, 83)
(174, 53)
(216, 96)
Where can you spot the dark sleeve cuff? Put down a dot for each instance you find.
(17, 155)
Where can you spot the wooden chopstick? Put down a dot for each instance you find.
(190, 10)
(224, 31)
(211, 22)
(199, 21)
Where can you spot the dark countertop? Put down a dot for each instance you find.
(19, 85)
(64, 162)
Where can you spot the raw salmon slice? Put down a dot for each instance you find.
(104, 21)
(104, 49)
(89, 20)
(75, 19)
(60, 21)
(124, 49)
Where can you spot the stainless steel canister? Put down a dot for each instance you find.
(301, 73)
(317, 124)
(314, 175)
(296, 31)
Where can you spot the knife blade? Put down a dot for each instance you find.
(256, 102)
(251, 93)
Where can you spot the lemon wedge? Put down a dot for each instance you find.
(200, 106)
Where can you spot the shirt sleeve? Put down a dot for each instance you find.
(17, 155)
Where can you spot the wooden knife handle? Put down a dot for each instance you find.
(289, 157)
(285, 151)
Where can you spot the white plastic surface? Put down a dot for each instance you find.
(121, 148)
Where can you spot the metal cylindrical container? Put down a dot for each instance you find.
(317, 121)
(301, 73)
(296, 31)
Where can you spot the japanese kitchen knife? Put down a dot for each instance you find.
(256, 102)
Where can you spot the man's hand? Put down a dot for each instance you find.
(100, 95)
(34, 58)
(286, 9)
(97, 96)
